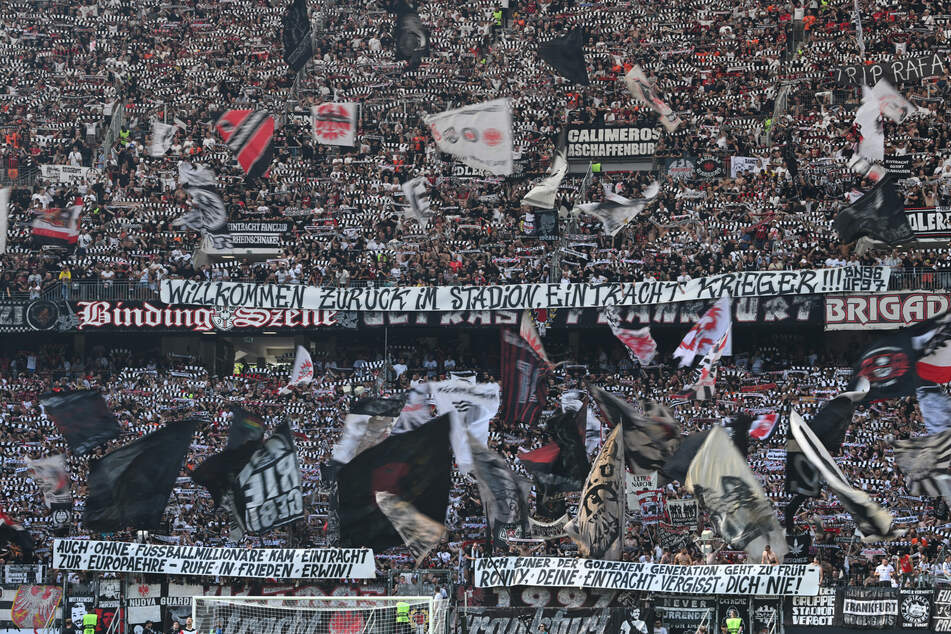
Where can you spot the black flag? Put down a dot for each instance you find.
(129, 487)
(298, 47)
(412, 38)
(504, 494)
(572, 461)
(650, 438)
(566, 55)
(879, 214)
(414, 466)
(245, 427)
(217, 472)
(266, 493)
(20, 541)
(82, 417)
(889, 366)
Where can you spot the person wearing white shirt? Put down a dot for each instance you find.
(75, 158)
(885, 571)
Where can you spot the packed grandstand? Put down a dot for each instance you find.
(665, 353)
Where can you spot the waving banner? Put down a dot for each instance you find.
(869, 279)
(781, 580)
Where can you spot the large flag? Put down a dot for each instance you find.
(739, 509)
(704, 386)
(34, 607)
(367, 425)
(638, 341)
(207, 212)
(303, 371)
(504, 494)
(879, 214)
(411, 37)
(528, 332)
(479, 135)
(57, 227)
(130, 487)
(598, 530)
(52, 479)
(615, 211)
(415, 466)
(829, 425)
(420, 534)
(926, 463)
(543, 194)
(470, 407)
(249, 134)
(82, 417)
(417, 201)
(871, 144)
(161, 138)
(564, 429)
(932, 341)
(196, 175)
(298, 44)
(872, 520)
(266, 492)
(4, 217)
(524, 380)
(650, 438)
(335, 123)
(566, 55)
(706, 333)
(644, 91)
(16, 538)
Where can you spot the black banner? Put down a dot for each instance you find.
(296, 34)
(529, 621)
(709, 168)
(543, 224)
(257, 235)
(812, 611)
(898, 164)
(82, 417)
(870, 607)
(896, 71)
(267, 491)
(604, 143)
(799, 545)
(930, 222)
(683, 168)
(685, 614)
(914, 608)
(941, 622)
(682, 512)
(733, 607)
(765, 615)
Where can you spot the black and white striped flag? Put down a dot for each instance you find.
(926, 463)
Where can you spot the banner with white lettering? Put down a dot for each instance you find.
(889, 311)
(685, 615)
(780, 580)
(942, 610)
(682, 512)
(914, 609)
(612, 143)
(156, 317)
(279, 563)
(930, 223)
(66, 174)
(818, 610)
(871, 279)
(896, 71)
(267, 491)
(258, 235)
(870, 607)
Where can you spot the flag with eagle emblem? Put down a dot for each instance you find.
(335, 123)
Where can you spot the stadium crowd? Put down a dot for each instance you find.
(750, 79)
(145, 394)
(722, 65)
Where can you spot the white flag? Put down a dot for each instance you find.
(303, 372)
(420, 533)
(890, 102)
(721, 480)
(714, 324)
(598, 530)
(543, 194)
(616, 211)
(335, 123)
(479, 135)
(4, 211)
(471, 406)
(704, 387)
(529, 333)
(161, 139)
(644, 91)
(417, 198)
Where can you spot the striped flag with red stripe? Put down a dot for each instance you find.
(249, 134)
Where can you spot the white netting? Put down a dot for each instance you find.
(318, 615)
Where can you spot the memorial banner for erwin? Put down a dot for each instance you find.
(782, 580)
(279, 563)
(868, 279)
